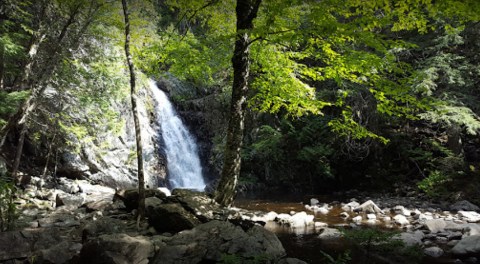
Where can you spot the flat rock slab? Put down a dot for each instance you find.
(117, 249)
(211, 241)
(468, 245)
(470, 216)
(22, 244)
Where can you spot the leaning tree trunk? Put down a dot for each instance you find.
(141, 177)
(246, 11)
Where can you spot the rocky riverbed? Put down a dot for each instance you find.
(444, 232)
(80, 222)
(75, 221)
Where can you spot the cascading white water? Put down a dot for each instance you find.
(183, 162)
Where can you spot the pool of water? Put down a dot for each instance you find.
(303, 243)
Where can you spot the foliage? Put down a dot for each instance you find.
(8, 213)
(10, 103)
(435, 184)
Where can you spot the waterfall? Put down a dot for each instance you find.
(183, 162)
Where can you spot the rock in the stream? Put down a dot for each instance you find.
(350, 206)
(168, 217)
(209, 242)
(329, 233)
(400, 209)
(434, 252)
(368, 207)
(468, 245)
(357, 218)
(117, 249)
(411, 239)
(464, 206)
(436, 225)
(469, 216)
(371, 217)
(300, 219)
(401, 220)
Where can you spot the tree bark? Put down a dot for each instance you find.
(2, 66)
(141, 177)
(246, 11)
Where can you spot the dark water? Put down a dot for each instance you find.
(303, 243)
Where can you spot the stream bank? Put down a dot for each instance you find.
(431, 231)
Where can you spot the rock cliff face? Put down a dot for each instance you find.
(111, 158)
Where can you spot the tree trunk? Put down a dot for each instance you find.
(141, 179)
(2, 66)
(246, 11)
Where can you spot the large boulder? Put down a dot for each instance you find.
(69, 200)
(368, 207)
(434, 252)
(330, 233)
(23, 244)
(410, 239)
(469, 216)
(468, 245)
(168, 217)
(464, 206)
(204, 207)
(117, 249)
(436, 225)
(130, 196)
(212, 241)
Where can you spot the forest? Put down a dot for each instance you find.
(349, 123)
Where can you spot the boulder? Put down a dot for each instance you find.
(130, 196)
(401, 220)
(300, 219)
(470, 229)
(59, 253)
(204, 207)
(102, 226)
(434, 252)
(23, 244)
(212, 241)
(168, 217)
(314, 201)
(329, 233)
(435, 225)
(468, 245)
(469, 216)
(410, 239)
(70, 200)
(291, 261)
(165, 190)
(464, 206)
(368, 207)
(350, 206)
(357, 218)
(116, 249)
(371, 216)
(400, 209)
